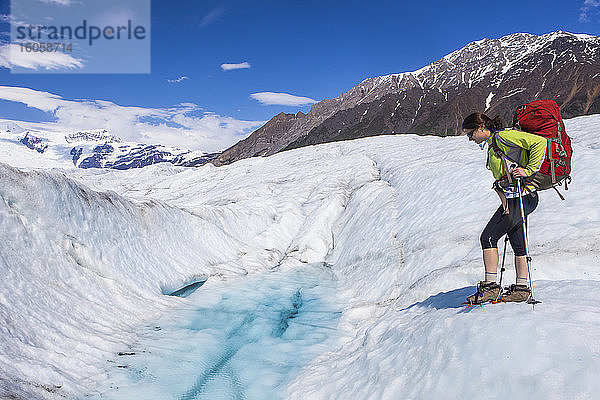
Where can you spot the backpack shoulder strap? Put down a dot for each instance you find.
(495, 144)
(514, 150)
(500, 154)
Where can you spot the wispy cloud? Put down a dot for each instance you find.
(4, 34)
(185, 125)
(12, 56)
(229, 67)
(59, 2)
(282, 99)
(178, 80)
(587, 8)
(212, 16)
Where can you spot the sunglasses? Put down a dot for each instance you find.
(470, 134)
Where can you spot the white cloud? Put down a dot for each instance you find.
(12, 56)
(281, 99)
(229, 67)
(212, 16)
(184, 125)
(210, 128)
(178, 80)
(587, 7)
(59, 2)
(114, 16)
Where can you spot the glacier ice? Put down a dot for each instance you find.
(332, 271)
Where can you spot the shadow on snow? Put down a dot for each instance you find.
(444, 300)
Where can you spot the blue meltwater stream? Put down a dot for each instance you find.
(244, 339)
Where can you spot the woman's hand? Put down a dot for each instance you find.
(519, 173)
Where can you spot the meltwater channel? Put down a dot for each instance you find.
(242, 339)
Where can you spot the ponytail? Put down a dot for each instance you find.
(497, 124)
(478, 119)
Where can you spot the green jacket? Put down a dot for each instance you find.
(525, 147)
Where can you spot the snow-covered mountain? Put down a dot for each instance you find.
(331, 271)
(89, 149)
(491, 75)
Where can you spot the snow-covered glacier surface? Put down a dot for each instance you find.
(333, 271)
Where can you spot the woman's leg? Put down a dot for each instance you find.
(490, 262)
(497, 227)
(521, 269)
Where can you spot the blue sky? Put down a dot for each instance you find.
(312, 49)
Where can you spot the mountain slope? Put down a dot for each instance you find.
(87, 149)
(494, 76)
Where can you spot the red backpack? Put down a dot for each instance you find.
(542, 117)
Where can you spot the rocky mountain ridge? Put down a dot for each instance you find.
(491, 75)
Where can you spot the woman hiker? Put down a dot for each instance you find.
(529, 149)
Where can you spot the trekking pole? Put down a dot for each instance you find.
(532, 301)
(502, 269)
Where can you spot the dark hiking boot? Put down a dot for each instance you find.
(516, 293)
(486, 291)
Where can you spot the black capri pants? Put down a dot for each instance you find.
(501, 224)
